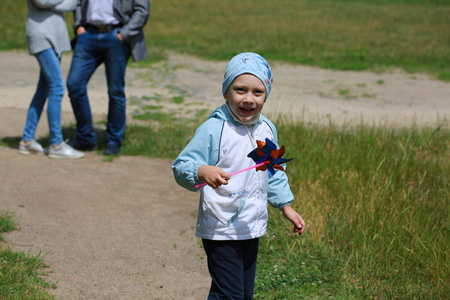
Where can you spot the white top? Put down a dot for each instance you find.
(101, 12)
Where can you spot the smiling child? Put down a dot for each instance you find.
(232, 214)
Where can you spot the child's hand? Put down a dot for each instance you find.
(290, 214)
(213, 176)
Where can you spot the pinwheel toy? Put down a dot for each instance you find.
(266, 156)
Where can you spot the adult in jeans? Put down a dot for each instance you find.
(47, 39)
(107, 31)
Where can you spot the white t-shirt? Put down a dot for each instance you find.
(100, 12)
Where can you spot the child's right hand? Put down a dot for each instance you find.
(213, 176)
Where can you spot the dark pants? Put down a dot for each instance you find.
(232, 266)
(92, 49)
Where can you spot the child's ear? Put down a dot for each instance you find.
(225, 96)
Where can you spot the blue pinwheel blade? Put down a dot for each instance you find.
(280, 161)
(256, 158)
(269, 147)
(267, 151)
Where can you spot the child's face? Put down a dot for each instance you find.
(246, 95)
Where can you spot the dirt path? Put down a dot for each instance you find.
(124, 229)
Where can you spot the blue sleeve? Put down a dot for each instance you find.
(203, 149)
(280, 193)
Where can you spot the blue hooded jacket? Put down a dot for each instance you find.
(238, 210)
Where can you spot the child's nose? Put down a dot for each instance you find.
(249, 98)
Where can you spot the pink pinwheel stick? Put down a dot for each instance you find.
(240, 171)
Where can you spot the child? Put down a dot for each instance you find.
(232, 213)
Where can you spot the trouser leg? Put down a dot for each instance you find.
(116, 58)
(35, 109)
(232, 266)
(51, 70)
(87, 56)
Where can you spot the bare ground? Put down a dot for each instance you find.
(124, 229)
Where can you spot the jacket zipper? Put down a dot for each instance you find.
(251, 136)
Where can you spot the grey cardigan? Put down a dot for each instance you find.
(46, 27)
(133, 14)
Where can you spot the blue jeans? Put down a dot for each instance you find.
(92, 49)
(51, 86)
(232, 266)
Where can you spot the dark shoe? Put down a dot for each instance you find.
(82, 146)
(112, 150)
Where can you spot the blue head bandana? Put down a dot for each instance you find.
(248, 63)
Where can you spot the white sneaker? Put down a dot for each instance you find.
(32, 148)
(64, 151)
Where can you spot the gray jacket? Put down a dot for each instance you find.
(46, 27)
(133, 14)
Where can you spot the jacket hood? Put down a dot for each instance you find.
(222, 113)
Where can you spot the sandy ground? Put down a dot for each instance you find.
(124, 229)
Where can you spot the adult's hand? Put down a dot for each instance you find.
(80, 30)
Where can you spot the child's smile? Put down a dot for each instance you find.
(246, 111)
(246, 96)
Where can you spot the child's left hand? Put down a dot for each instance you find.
(290, 214)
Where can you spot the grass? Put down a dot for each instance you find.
(20, 274)
(364, 35)
(374, 35)
(7, 223)
(377, 204)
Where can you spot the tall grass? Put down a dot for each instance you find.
(341, 34)
(376, 201)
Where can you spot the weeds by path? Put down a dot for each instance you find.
(21, 275)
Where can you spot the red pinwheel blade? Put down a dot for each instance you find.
(278, 167)
(262, 168)
(259, 150)
(278, 152)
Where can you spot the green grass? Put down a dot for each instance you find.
(347, 35)
(20, 274)
(7, 223)
(340, 34)
(376, 202)
(157, 141)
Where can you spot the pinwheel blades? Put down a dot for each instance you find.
(267, 151)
